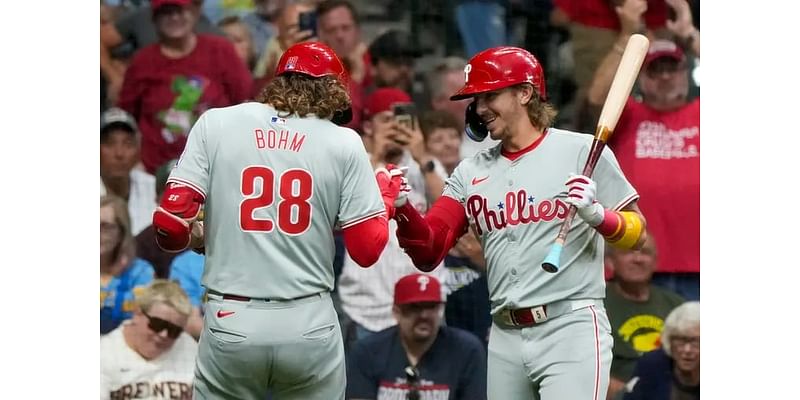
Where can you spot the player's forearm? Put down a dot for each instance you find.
(623, 229)
(365, 241)
(428, 239)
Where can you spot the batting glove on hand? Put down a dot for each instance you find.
(394, 187)
(581, 191)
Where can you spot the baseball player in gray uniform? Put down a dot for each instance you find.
(274, 177)
(551, 337)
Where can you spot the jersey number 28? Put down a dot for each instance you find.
(295, 188)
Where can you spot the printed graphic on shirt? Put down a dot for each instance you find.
(642, 332)
(154, 390)
(183, 113)
(655, 140)
(399, 389)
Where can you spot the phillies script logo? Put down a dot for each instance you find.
(518, 208)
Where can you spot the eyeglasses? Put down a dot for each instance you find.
(108, 227)
(158, 325)
(680, 341)
(412, 377)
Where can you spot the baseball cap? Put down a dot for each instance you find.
(663, 48)
(384, 99)
(156, 4)
(417, 288)
(394, 45)
(117, 117)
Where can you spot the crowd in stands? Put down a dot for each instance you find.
(164, 62)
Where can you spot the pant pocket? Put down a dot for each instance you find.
(319, 332)
(226, 335)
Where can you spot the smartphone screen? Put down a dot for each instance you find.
(308, 22)
(405, 113)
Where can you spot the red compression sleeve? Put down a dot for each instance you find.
(366, 240)
(427, 240)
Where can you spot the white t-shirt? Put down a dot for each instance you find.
(125, 374)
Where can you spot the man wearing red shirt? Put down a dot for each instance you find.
(170, 83)
(657, 143)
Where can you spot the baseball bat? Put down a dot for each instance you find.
(626, 74)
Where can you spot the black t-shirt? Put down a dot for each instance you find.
(454, 368)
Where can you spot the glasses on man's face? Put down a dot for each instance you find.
(159, 325)
(664, 66)
(678, 341)
(108, 227)
(412, 377)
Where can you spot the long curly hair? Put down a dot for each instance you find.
(301, 94)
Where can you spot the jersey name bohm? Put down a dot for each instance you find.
(517, 208)
(280, 141)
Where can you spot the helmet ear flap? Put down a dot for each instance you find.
(342, 117)
(474, 126)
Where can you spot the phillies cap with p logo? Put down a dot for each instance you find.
(417, 288)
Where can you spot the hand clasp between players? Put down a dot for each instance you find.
(581, 193)
(394, 187)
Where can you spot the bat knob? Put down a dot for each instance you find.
(553, 259)
(549, 268)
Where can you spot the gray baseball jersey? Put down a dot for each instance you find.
(275, 187)
(517, 208)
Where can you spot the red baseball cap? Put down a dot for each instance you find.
(384, 99)
(663, 48)
(156, 4)
(417, 288)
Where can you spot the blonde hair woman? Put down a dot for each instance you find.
(121, 272)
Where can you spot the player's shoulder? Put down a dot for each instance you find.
(568, 137)
(481, 159)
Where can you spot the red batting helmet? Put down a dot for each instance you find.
(501, 67)
(313, 59)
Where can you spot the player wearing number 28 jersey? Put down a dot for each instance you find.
(274, 177)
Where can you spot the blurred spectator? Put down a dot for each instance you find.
(468, 300)
(365, 293)
(392, 55)
(288, 33)
(636, 309)
(661, 132)
(111, 70)
(146, 246)
(594, 26)
(444, 80)
(187, 270)
(169, 84)
(239, 34)
(217, 10)
(149, 356)
(122, 275)
(419, 358)
(482, 24)
(119, 154)
(339, 28)
(260, 23)
(136, 29)
(672, 372)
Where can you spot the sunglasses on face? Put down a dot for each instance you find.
(158, 325)
(412, 377)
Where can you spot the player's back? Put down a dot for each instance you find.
(276, 188)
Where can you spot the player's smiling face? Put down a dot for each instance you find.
(500, 110)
